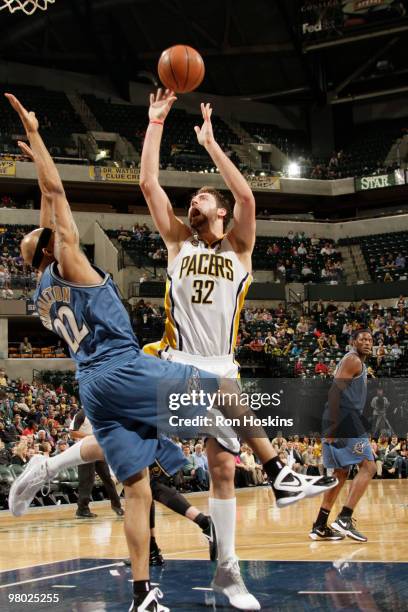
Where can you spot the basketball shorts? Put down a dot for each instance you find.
(344, 452)
(121, 403)
(222, 366)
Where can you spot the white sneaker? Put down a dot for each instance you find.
(290, 487)
(229, 582)
(152, 597)
(26, 486)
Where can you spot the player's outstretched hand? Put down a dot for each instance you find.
(205, 135)
(26, 149)
(160, 104)
(29, 120)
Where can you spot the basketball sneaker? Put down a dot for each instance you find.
(325, 532)
(26, 486)
(150, 603)
(228, 581)
(347, 526)
(209, 534)
(156, 557)
(290, 487)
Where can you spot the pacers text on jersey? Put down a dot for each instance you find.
(209, 264)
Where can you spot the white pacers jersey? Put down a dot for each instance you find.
(205, 292)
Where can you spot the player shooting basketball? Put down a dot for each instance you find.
(209, 272)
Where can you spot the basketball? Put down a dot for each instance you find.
(181, 68)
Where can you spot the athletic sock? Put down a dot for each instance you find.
(273, 467)
(69, 458)
(140, 590)
(346, 512)
(202, 521)
(322, 517)
(223, 513)
(152, 516)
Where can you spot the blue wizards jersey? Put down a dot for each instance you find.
(91, 319)
(354, 396)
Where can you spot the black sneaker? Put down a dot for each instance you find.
(346, 525)
(209, 534)
(150, 603)
(85, 513)
(290, 487)
(118, 510)
(325, 533)
(156, 558)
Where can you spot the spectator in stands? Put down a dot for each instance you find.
(31, 429)
(400, 261)
(257, 344)
(299, 369)
(201, 463)
(321, 369)
(380, 352)
(254, 469)
(401, 460)
(5, 455)
(242, 473)
(295, 459)
(19, 454)
(25, 347)
(3, 378)
(307, 272)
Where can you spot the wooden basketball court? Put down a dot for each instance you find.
(264, 534)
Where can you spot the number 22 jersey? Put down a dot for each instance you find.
(90, 318)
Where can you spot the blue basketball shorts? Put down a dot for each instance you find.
(121, 404)
(344, 452)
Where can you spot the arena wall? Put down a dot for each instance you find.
(86, 224)
(25, 368)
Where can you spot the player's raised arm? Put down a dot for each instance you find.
(244, 229)
(46, 212)
(171, 229)
(73, 263)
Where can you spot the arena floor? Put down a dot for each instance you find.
(78, 562)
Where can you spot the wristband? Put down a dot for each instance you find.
(158, 121)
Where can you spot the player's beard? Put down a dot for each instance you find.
(198, 222)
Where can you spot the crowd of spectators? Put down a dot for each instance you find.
(312, 344)
(14, 273)
(292, 258)
(385, 256)
(289, 344)
(36, 417)
(297, 258)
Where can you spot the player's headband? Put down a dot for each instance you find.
(41, 244)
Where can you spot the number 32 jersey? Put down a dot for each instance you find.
(205, 292)
(91, 319)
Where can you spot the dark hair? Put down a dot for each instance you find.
(357, 332)
(221, 201)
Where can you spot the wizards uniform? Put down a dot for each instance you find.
(205, 293)
(351, 450)
(118, 384)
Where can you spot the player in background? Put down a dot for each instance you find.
(347, 398)
(208, 275)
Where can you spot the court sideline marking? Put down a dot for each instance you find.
(81, 571)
